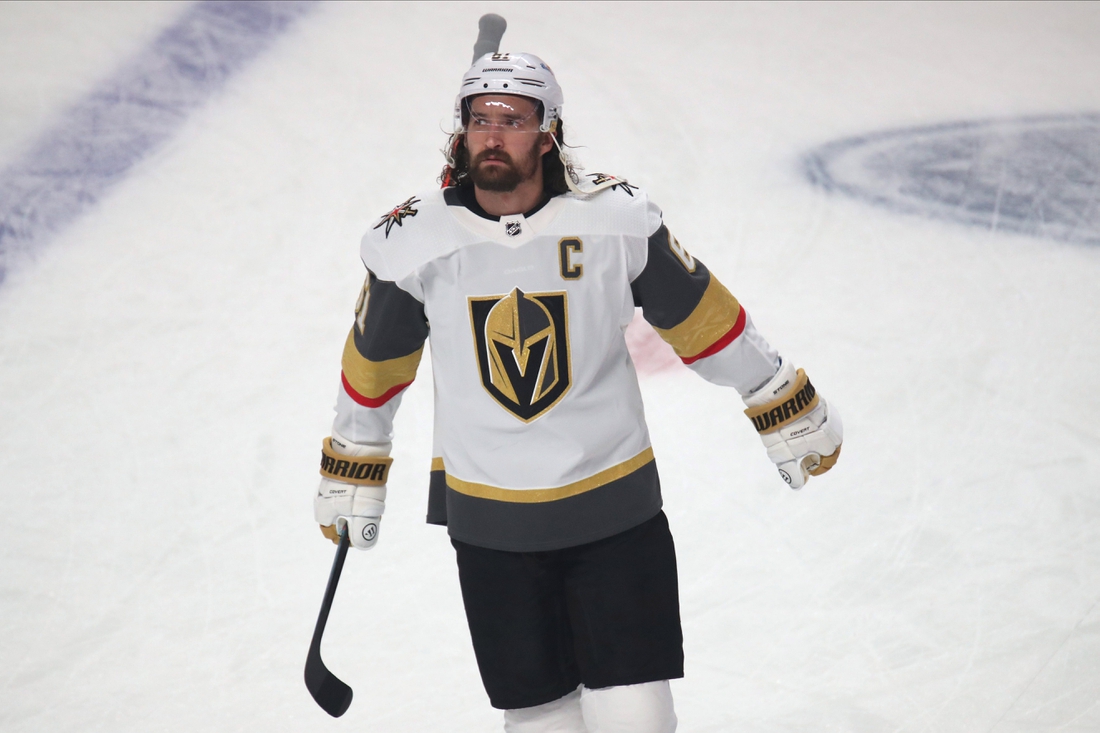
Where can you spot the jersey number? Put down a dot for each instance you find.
(361, 306)
(681, 254)
(566, 248)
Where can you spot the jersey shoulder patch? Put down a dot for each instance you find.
(409, 235)
(397, 215)
(621, 184)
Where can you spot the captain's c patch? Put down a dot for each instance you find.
(522, 346)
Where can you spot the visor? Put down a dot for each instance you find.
(499, 113)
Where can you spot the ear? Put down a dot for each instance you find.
(546, 144)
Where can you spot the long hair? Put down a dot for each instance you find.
(457, 170)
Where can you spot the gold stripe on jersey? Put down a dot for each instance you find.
(712, 319)
(541, 496)
(437, 464)
(373, 379)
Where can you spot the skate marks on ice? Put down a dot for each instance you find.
(99, 139)
(1029, 175)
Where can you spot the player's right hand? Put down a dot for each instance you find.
(359, 507)
(352, 490)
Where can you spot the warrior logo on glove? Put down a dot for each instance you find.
(522, 346)
(773, 416)
(347, 470)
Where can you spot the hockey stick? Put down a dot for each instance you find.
(490, 29)
(331, 694)
(327, 689)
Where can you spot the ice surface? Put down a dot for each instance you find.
(168, 358)
(1035, 175)
(122, 120)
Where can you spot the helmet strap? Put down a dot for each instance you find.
(574, 180)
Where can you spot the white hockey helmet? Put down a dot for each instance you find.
(522, 74)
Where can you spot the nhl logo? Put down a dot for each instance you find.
(513, 229)
(522, 346)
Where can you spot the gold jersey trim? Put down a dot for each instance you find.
(437, 464)
(540, 496)
(712, 319)
(372, 379)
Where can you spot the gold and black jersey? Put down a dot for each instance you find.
(540, 436)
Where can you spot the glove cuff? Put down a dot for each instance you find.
(779, 383)
(368, 470)
(787, 398)
(347, 447)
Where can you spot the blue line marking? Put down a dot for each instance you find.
(103, 136)
(1029, 175)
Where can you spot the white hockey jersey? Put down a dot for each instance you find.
(540, 437)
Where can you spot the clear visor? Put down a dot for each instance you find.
(500, 113)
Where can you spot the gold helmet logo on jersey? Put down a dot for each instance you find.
(522, 345)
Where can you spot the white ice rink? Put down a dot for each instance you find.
(169, 354)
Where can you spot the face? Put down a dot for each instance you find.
(503, 138)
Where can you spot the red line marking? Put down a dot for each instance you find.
(649, 352)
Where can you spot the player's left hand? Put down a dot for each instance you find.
(801, 432)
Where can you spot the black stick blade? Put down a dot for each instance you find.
(490, 29)
(331, 694)
(327, 689)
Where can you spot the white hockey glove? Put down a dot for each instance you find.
(352, 490)
(801, 432)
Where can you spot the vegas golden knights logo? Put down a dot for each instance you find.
(522, 343)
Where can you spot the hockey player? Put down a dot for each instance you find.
(525, 276)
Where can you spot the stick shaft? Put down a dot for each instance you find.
(491, 29)
(330, 589)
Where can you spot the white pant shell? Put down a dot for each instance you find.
(560, 716)
(644, 708)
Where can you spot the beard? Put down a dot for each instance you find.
(504, 177)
